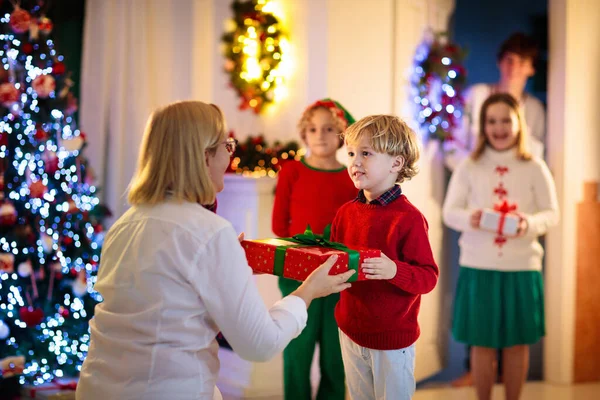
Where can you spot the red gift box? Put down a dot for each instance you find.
(297, 261)
(55, 390)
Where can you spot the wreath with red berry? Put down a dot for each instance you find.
(255, 51)
(438, 83)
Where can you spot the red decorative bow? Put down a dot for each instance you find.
(504, 208)
(330, 105)
(500, 190)
(501, 170)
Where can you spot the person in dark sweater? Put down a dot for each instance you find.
(378, 318)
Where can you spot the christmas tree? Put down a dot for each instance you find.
(50, 217)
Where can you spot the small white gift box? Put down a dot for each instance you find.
(506, 224)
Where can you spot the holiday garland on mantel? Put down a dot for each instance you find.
(256, 158)
(438, 82)
(255, 53)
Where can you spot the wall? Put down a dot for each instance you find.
(481, 26)
(573, 150)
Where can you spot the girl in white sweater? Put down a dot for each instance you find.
(499, 298)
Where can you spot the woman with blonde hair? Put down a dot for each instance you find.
(173, 274)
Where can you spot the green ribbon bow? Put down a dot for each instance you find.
(311, 239)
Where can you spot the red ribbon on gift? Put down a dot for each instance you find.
(504, 208)
(12, 369)
(55, 385)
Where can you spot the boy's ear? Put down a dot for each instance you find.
(398, 164)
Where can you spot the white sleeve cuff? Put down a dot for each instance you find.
(295, 306)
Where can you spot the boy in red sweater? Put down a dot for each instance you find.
(311, 191)
(378, 318)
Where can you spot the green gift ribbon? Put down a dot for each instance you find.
(311, 239)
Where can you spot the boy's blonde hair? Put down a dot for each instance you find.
(389, 135)
(172, 159)
(482, 139)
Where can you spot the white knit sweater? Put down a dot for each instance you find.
(495, 177)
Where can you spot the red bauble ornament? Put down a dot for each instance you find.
(37, 189)
(64, 312)
(27, 48)
(7, 263)
(40, 134)
(8, 214)
(20, 20)
(31, 316)
(58, 68)
(9, 94)
(44, 85)
(50, 162)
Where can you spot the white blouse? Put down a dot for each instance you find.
(172, 276)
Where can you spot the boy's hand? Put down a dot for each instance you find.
(379, 268)
(241, 237)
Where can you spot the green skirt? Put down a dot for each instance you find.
(498, 309)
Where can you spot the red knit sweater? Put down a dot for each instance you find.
(382, 315)
(306, 195)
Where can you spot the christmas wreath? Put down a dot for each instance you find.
(255, 53)
(438, 83)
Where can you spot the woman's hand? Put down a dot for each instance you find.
(321, 284)
(476, 219)
(241, 237)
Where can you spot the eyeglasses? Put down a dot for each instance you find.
(230, 145)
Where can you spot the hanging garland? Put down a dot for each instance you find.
(255, 53)
(438, 83)
(255, 157)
